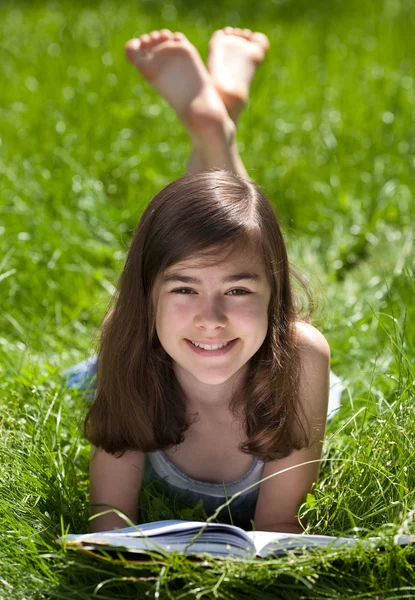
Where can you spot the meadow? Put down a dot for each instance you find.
(85, 144)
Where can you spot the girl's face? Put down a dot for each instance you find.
(213, 303)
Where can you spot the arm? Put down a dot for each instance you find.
(114, 483)
(280, 496)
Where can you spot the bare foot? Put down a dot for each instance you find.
(174, 68)
(234, 56)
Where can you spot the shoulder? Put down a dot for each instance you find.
(311, 342)
(314, 356)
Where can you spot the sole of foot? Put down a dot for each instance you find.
(172, 65)
(234, 56)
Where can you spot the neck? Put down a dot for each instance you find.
(206, 397)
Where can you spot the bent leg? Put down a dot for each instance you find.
(172, 65)
(234, 56)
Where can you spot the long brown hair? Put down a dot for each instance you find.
(139, 404)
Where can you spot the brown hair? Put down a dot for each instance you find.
(139, 404)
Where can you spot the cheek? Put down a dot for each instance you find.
(253, 314)
(171, 314)
(256, 307)
(179, 311)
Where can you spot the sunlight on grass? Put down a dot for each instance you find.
(84, 145)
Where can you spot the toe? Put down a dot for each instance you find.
(166, 34)
(177, 35)
(228, 30)
(216, 36)
(133, 44)
(145, 39)
(261, 39)
(131, 48)
(155, 36)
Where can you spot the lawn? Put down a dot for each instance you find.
(84, 145)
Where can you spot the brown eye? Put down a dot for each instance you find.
(182, 291)
(242, 292)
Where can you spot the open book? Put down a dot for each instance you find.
(216, 539)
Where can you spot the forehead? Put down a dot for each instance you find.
(248, 258)
(228, 266)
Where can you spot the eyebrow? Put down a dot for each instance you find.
(195, 280)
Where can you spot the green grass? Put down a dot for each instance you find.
(85, 144)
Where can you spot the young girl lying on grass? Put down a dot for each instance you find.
(207, 380)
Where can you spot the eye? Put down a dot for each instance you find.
(242, 292)
(183, 291)
(187, 291)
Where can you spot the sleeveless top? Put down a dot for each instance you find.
(174, 482)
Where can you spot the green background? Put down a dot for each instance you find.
(85, 143)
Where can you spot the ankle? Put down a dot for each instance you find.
(220, 152)
(214, 137)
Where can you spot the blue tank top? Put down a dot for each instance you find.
(174, 482)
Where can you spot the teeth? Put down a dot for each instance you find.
(206, 347)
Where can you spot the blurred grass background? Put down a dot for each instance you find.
(85, 143)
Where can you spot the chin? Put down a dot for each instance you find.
(214, 377)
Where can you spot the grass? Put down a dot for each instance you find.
(330, 135)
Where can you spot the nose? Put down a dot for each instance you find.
(211, 314)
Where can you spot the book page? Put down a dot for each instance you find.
(148, 529)
(157, 528)
(140, 545)
(167, 531)
(267, 542)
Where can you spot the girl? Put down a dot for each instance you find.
(207, 381)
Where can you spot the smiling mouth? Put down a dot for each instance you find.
(210, 346)
(212, 349)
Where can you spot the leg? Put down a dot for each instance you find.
(197, 162)
(234, 56)
(165, 59)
